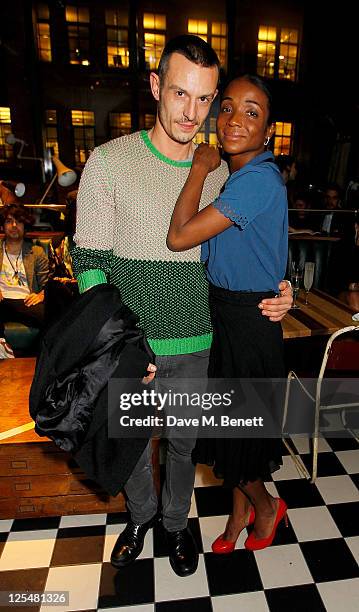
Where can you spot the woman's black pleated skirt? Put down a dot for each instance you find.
(245, 345)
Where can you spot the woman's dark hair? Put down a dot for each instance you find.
(261, 84)
(19, 212)
(193, 48)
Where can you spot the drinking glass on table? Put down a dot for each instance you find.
(309, 268)
(296, 274)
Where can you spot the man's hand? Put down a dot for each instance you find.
(34, 298)
(206, 157)
(276, 308)
(65, 280)
(147, 379)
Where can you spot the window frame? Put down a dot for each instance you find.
(209, 35)
(81, 128)
(277, 51)
(42, 21)
(118, 29)
(116, 131)
(79, 27)
(153, 32)
(49, 125)
(279, 149)
(4, 146)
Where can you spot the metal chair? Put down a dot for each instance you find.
(339, 356)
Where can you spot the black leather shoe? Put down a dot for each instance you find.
(183, 552)
(130, 543)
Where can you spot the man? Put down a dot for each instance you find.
(24, 271)
(287, 167)
(127, 194)
(288, 170)
(332, 223)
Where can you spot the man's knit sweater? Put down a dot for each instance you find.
(127, 193)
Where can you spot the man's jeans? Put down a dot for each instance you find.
(178, 487)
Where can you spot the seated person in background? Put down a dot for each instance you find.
(24, 271)
(333, 224)
(300, 221)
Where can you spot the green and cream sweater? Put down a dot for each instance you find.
(127, 193)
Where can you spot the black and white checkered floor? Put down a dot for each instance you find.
(311, 566)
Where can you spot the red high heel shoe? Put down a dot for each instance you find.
(252, 543)
(224, 547)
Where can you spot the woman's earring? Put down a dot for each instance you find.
(266, 141)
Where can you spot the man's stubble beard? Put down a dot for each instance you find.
(181, 139)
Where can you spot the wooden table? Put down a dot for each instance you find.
(321, 317)
(316, 237)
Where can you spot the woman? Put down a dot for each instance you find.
(246, 255)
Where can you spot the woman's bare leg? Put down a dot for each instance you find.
(239, 517)
(265, 507)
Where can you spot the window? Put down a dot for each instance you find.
(120, 124)
(84, 134)
(283, 138)
(51, 141)
(5, 129)
(43, 32)
(288, 50)
(219, 41)
(207, 133)
(200, 136)
(78, 19)
(150, 119)
(213, 131)
(277, 52)
(198, 27)
(267, 37)
(215, 33)
(154, 27)
(117, 38)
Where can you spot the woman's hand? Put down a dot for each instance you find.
(152, 369)
(206, 158)
(276, 308)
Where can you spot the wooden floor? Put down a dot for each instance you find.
(15, 379)
(36, 477)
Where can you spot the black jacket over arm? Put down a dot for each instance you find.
(96, 340)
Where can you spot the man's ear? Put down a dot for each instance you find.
(155, 85)
(215, 95)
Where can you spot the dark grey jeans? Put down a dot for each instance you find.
(178, 487)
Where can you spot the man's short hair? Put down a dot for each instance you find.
(19, 212)
(193, 48)
(334, 187)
